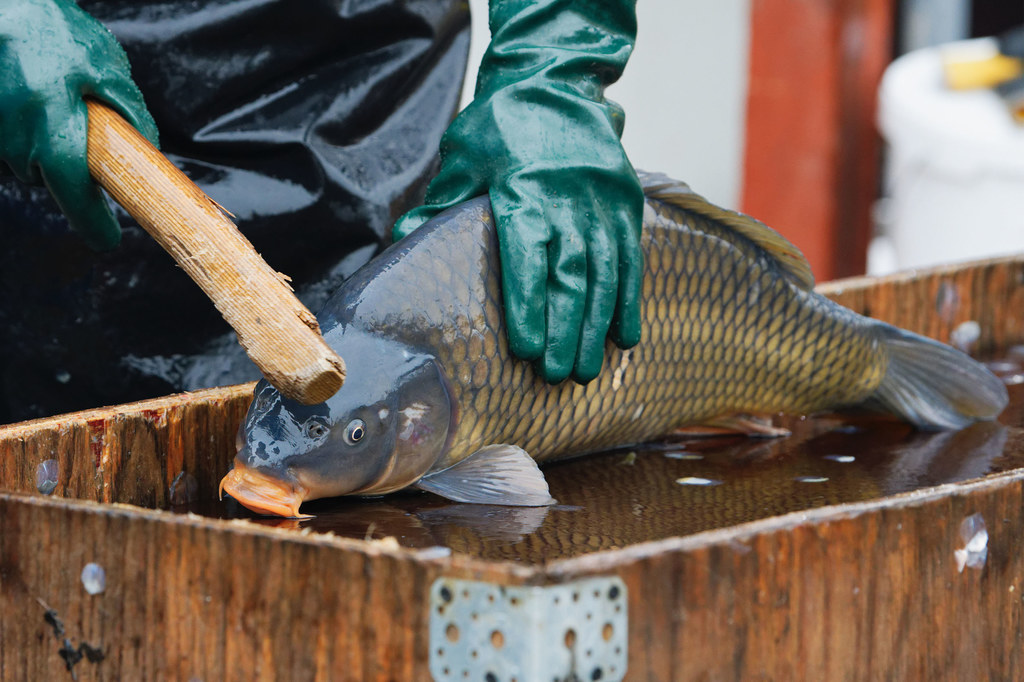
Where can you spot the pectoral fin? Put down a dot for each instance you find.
(496, 474)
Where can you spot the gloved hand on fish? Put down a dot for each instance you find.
(434, 400)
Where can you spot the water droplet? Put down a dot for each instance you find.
(47, 476)
(843, 459)
(63, 377)
(965, 335)
(431, 553)
(811, 479)
(947, 301)
(1013, 379)
(682, 454)
(94, 578)
(696, 480)
(975, 538)
(184, 489)
(1003, 366)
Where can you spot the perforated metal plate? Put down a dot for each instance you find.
(492, 633)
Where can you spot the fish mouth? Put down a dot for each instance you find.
(262, 493)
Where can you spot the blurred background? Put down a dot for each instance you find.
(772, 107)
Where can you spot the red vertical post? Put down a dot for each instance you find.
(811, 155)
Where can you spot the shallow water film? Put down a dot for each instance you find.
(683, 485)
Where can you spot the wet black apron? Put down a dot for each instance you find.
(315, 122)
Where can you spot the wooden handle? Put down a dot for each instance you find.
(279, 333)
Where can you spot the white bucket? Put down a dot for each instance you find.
(955, 168)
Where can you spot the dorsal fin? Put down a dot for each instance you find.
(677, 193)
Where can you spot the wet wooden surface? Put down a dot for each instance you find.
(937, 301)
(859, 590)
(130, 453)
(190, 599)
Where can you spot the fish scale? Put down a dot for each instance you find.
(705, 353)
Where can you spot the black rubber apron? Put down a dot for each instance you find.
(315, 122)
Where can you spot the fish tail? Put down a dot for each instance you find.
(935, 386)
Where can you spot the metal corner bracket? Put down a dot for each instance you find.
(571, 631)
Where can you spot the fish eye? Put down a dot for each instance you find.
(355, 431)
(315, 430)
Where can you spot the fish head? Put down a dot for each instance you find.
(381, 432)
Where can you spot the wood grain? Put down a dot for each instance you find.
(189, 598)
(935, 301)
(130, 453)
(279, 333)
(861, 591)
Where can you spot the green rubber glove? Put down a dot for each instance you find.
(541, 140)
(52, 54)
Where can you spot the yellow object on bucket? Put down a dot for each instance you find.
(971, 73)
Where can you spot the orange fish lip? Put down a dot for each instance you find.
(262, 493)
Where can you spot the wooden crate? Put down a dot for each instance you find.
(868, 590)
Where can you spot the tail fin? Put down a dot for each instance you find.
(935, 386)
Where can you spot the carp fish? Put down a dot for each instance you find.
(434, 400)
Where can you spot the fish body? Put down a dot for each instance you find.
(435, 400)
